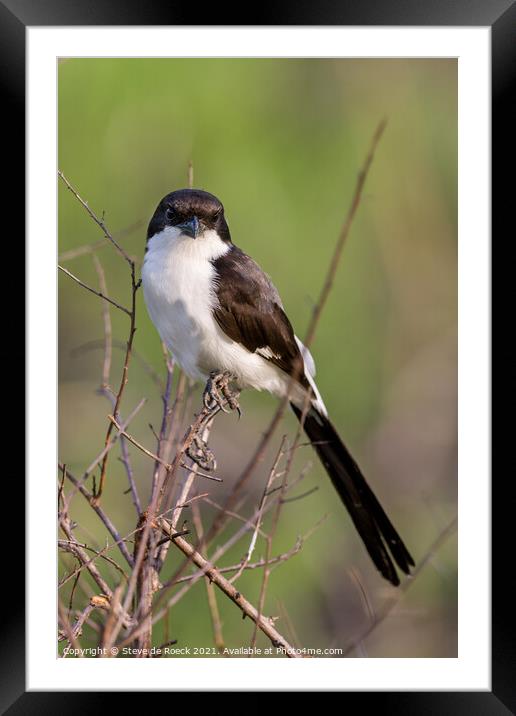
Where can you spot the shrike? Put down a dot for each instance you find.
(218, 312)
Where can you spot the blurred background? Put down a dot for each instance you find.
(280, 142)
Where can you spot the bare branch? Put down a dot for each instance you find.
(403, 588)
(232, 593)
(344, 232)
(97, 293)
(96, 219)
(100, 512)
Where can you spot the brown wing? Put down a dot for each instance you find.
(250, 312)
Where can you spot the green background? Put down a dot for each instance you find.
(281, 142)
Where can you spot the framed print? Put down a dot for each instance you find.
(226, 206)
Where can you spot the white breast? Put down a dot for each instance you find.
(177, 278)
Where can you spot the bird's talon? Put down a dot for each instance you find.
(218, 394)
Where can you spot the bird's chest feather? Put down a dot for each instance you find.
(178, 284)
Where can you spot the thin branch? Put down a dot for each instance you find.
(69, 547)
(232, 593)
(97, 293)
(105, 388)
(123, 382)
(265, 494)
(89, 249)
(96, 219)
(168, 467)
(216, 623)
(108, 331)
(78, 551)
(147, 522)
(219, 552)
(97, 344)
(190, 176)
(167, 413)
(76, 629)
(109, 446)
(67, 629)
(236, 597)
(284, 557)
(119, 541)
(268, 555)
(277, 511)
(132, 329)
(403, 588)
(344, 232)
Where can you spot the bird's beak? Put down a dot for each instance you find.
(192, 227)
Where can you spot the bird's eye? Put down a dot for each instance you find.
(170, 214)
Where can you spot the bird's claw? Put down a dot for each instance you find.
(218, 394)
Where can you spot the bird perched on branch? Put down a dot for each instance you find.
(222, 319)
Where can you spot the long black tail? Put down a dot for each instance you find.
(373, 525)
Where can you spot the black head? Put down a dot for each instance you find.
(191, 210)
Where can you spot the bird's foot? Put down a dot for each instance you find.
(199, 452)
(218, 393)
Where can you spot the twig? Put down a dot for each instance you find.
(169, 365)
(67, 629)
(277, 511)
(132, 314)
(216, 623)
(190, 174)
(119, 345)
(108, 331)
(88, 249)
(96, 219)
(403, 588)
(81, 555)
(219, 552)
(168, 467)
(105, 388)
(76, 629)
(344, 232)
(109, 446)
(69, 547)
(143, 554)
(97, 293)
(232, 593)
(123, 382)
(114, 617)
(102, 515)
(268, 555)
(143, 551)
(284, 557)
(265, 494)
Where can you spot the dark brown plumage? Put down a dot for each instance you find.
(250, 312)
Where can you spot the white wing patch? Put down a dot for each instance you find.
(310, 373)
(267, 353)
(307, 357)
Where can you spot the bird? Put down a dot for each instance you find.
(219, 313)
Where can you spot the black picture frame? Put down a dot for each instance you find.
(500, 16)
